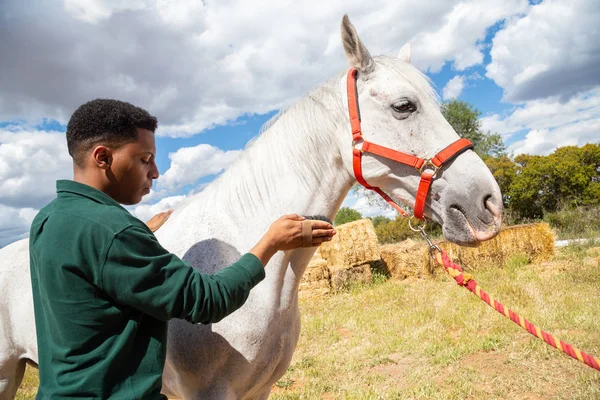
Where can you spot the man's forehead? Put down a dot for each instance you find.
(145, 139)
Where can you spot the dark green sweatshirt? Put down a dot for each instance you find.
(103, 291)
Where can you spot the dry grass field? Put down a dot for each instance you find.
(430, 339)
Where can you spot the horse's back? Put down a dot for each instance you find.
(17, 320)
(15, 283)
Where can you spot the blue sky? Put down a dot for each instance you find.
(215, 72)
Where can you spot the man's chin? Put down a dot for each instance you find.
(132, 202)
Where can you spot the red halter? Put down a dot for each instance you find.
(427, 168)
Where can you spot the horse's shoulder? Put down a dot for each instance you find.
(211, 255)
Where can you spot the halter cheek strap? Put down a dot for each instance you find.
(427, 168)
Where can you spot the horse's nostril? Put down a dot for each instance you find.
(485, 200)
(488, 204)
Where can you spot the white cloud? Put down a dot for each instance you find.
(188, 164)
(545, 141)
(453, 88)
(463, 29)
(94, 11)
(196, 64)
(14, 223)
(553, 50)
(543, 117)
(368, 207)
(30, 163)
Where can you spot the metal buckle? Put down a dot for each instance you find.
(429, 164)
(421, 229)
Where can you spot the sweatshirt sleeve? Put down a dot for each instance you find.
(140, 273)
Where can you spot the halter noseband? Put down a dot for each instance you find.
(427, 168)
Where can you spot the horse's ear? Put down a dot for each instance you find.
(404, 54)
(357, 53)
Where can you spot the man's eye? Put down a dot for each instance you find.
(145, 162)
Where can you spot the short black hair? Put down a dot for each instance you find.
(105, 121)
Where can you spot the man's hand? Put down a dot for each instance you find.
(286, 234)
(158, 220)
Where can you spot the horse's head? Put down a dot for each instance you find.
(399, 110)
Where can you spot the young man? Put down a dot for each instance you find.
(103, 286)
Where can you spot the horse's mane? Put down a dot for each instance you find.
(288, 140)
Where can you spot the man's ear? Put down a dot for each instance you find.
(102, 157)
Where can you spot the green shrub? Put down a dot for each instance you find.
(394, 231)
(345, 215)
(397, 230)
(380, 219)
(579, 222)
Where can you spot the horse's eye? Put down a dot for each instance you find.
(404, 106)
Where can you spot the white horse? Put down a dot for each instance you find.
(302, 163)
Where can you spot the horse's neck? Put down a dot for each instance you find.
(293, 167)
(266, 185)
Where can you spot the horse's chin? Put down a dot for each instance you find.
(463, 231)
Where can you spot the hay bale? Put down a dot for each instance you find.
(593, 252)
(354, 244)
(405, 259)
(316, 270)
(411, 259)
(342, 276)
(316, 279)
(591, 262)
(534, 240)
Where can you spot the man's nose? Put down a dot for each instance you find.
(154, 173)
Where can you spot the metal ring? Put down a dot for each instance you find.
(355, 142)
(419, 227)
